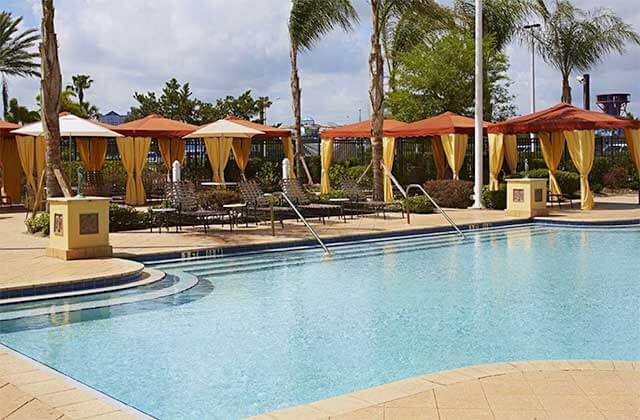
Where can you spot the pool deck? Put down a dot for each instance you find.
(540, 390)
(506, 391)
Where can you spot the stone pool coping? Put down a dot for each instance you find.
(31, 390)
(551, 389)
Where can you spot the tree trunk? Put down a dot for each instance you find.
(376, 96)
(51, 88)
(566, 89)
(295, 103)
(5, 98)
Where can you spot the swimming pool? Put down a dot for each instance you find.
(270, 330)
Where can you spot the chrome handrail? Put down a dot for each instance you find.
(313, 232)
(444, 213)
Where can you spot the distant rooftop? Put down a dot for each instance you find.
(112, 118)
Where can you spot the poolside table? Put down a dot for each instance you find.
(234, 210)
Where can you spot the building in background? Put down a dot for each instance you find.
(112, 118)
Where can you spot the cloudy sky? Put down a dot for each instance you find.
(223, 47)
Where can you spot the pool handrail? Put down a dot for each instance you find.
(440, 209)
(312, 230)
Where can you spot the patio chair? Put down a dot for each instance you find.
(182, 196)
(359, 200)
(293, 190)
(258, 205)
(154, 186)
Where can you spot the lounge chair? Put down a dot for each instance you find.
(359, 200)
(258, 204)
(293, 190)
(182, 196)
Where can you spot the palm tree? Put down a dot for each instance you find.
(572, 39)
(382, 13)
(17, 55)
(79, 83)
(309, 21)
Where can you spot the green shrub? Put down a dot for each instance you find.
(616, 178)
(569, 181)
(127, 218)
(337, 193)
(269, 175)
(450, 192)
(211, 198)
(418, 204)
(38, 224)
(496, 200)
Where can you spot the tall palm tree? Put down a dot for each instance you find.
(572, 39)
(309, 21)
(17, 52)
(382, 13)
(79, 83)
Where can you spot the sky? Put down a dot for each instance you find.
(224, 47)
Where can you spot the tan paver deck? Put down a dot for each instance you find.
(28, 391)
(541, 390)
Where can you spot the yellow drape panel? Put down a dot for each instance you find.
(93, 152)
(582, 147)
(633, 142)
(496, 157)
(218, 151)
(32, 155)
(439, 158)
(171, 150)
(241, 151)
(388, 153)
(133, 153)
(326, 155)
(289, 153)
(552, 146)
(455, 148)
(41, 157)
(10, 169)
(511, 152)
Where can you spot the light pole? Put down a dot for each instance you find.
(478, 132)
(532, 28)
(585, 80)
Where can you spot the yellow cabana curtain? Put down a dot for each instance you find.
(133, 153)
(439, 158)
(10, 163)
(582, 146)
(455, 148)
(218, 151)
(388, 154)
(32, 153)
(289, 153)
(496, 157)
(241, 150)
(326, 155)
(552, 146)
(511, 152)
(171, 149)
(633, 142)
(93, 152)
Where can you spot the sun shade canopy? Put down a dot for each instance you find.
(155, 126)
(224, 128)
(70, 126)
(447, 123)
(360, 130)
(269, 132)
(562, 117)
(7, 127)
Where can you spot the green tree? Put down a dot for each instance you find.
(309, 21)
(19, 114)
(572, 39)
(80, 83)
(18, 56)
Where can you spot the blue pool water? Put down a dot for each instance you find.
(249, 338)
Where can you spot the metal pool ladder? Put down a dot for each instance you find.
(312, 230)
(405, 194)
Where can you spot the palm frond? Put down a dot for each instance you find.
(311, 19)
(18, 53)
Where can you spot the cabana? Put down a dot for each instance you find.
(358, 130)
(450, 135)
(231, 133)
(9, 163)
(557, 124)
(91, 139)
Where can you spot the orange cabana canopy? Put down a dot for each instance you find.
(562, 117)
(155, 126)
(361, 129)
(6, 127)
(269, 132)
(446, 123)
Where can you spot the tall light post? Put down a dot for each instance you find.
(532, 28)
(478, 132)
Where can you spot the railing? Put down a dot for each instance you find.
(295, 209)
(405, 194)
